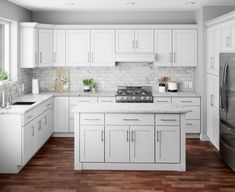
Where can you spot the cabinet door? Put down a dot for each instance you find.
(78, 48)
(217, 50)
(163, 47)
(184, 47)
(210, 51)
(102, 48)
(45, 47)
(117, 141)
(59, 48)
(61, 116)
(28, 47)
(125, 41)
(92, 143)
(29, 142)
(167, 144)
(226, 35)
(142, 144)
(144, 41)
(210, 122)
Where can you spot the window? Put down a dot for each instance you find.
(4, 46)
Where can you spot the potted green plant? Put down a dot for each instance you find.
(93, 86)
(87, 85)
(3, 77)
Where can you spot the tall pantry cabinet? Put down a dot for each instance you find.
(220, 39)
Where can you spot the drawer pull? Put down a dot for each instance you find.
(162, 101)
(190, 111)
(188, 124)
(130, 119)
(186, 101)
(92, 119)
(29, 117)
(84, 101)
(102, 136)
(167, 119)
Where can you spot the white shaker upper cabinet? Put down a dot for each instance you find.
(28, 47)
(144, 41)
(228, 36)
(45, 47)
(213, 50)
(184, 48)
(102, 48)
(78, 48)
(163, 47)
(59, 48)
(125, 41)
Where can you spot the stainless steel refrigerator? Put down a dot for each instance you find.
(227, 108)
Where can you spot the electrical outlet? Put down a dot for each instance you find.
(190, 84)
(185, 85)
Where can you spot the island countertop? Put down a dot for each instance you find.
(130, 108)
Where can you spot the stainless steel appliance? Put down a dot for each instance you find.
(227, 108)
(134, 94)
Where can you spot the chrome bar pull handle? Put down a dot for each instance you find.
(127, 136)
(102, 135)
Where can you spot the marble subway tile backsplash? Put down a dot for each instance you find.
(123, 74)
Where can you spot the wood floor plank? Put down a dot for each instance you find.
(51, 170)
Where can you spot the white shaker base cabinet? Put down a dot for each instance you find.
(92, 144)
(117, 144)
(121, 141)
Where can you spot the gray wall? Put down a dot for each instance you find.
(11, 11)
(115, 17)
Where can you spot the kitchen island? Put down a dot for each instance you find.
(129, 136)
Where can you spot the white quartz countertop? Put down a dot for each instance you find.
(129, 108)
(113, 93)
(21, 109)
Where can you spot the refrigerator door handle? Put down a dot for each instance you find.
(226, 86)
(222, 88)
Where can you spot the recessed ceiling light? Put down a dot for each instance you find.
(130, 4)
(190, 3)
(70, 3)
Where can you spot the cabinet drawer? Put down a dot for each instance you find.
(194, 112)
(76, 100)
(106, 100)
(186, 101)
(162, 100)
(192, 126)
(91, 119)
(33, 113)
(129, 119)
(167, 119)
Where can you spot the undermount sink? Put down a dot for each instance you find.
(24, 103)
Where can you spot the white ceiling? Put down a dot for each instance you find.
(109, 5)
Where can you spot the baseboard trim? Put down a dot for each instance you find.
(63, 135)
(192, 136)
(204, 137)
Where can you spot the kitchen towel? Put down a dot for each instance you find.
(35, 86)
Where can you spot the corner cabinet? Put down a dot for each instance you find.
(24, 135)
(129, 141)
(176, 47)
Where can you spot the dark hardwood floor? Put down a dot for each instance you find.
(51, 170)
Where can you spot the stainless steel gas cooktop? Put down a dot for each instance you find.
(134, 94)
